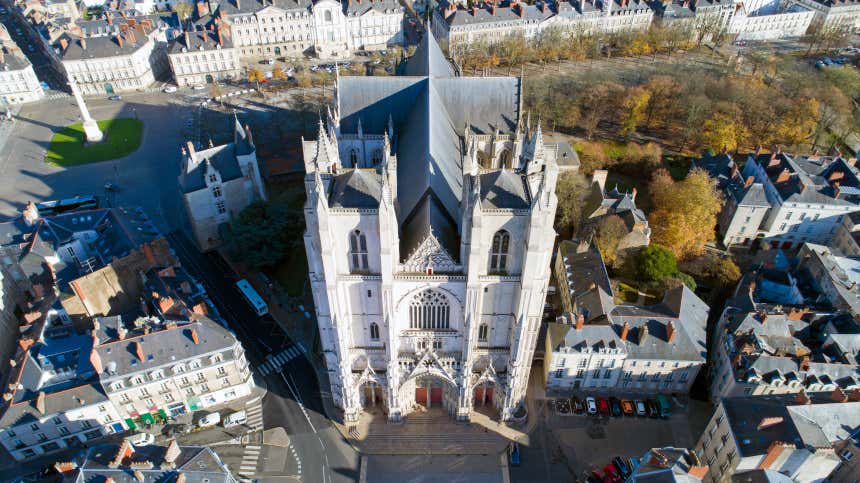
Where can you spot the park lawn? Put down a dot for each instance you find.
(122, 137)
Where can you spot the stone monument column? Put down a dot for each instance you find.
(91, 128)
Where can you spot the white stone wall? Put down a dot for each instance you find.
(201, 67)
(771, 26)
(121, 73)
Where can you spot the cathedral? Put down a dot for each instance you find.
(430, 207)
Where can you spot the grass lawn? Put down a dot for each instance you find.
(122, 137)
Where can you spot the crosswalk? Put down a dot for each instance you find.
(249, 461)
(254, 413)
(276, 362)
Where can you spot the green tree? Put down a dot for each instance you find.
(264, 234)
(633, 109)
(685, 212)
(656, 263)
(607, 235)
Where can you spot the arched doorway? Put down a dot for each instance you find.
(484, 394)
(429, 392)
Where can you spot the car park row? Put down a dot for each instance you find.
(613, 407)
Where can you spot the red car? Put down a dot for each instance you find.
(612, 472)
(603, 406)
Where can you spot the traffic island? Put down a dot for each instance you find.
(69, 146)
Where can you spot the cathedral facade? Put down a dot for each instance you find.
(430, 207)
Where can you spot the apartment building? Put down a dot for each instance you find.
(609, 347)
(603, 203)
(670, 465)
(157, 370)
(218, 182)
(769, 20)
(204, 56)
(784, 200)
(490, 22)
(847, 238)
(794, 437)
(53, 401)
(833, 14)
(18, 82)
(328, 29)
(705, 20)
(833, 276)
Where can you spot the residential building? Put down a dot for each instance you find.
(154, 370)
(328, 28)
(847, 238)
(429, 237)
(18, 82)
(670, 465)
(204, 56)
(172, 294)
(833, 276)
(603, 203)
(833, 15)
(491, 22)
(705, 20)
(617, 347)
(792, 437)
(53, 401)
(218, 182)
(785, 200)
(848, 450)
(770, 19)
(118, 462)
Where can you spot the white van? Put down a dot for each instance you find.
(209, 420)
(235, 419)
(141, 439)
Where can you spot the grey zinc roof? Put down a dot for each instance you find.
(485, 15)
(590, 337)
(820, 425)
(504, 189)
(239, 7)
(744, 415)
(101, 47)
(357, 7)
(222, 158)
(760, 476)
(163, 346)
(583, 269)
(356, 188)
(25, 411)
(200, 40)
(196, 464)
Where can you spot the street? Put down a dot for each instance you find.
(293, 400)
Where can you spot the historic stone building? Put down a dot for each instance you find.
(429, 235)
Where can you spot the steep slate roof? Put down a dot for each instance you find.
(430, 109)
(504, 189)
(356, 188)
(196, 464)
(223, 158)
(584, 269)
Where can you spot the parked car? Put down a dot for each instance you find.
(612, 472)
(603, 406)
(652, 408)
(171, 430)
(622, 466)
(615, 406)
(591, 405)
(515, 454)
(115, 98)
(170, 89)
(199, 87)
(663, 406)
(627, 407)
(578, 407)
(209, 420)
(562, 406)
(141, 439)
(641, 411)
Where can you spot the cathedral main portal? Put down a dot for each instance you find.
(434, 392)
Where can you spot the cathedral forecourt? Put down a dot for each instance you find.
(430, 207)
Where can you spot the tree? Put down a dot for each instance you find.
(656, 263)
(303, 79)
(723, 129)
(725, 272)
(597, 105)
(278, 73)
(633, 110)
(264, 234)
(685, 212)
(572, 191)
(183, 9)
(255, 75)
(607, 235)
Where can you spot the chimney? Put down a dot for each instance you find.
(625, 330)
(248, 134)
(119, 40)
(580, 321)
(851, 161)
(769, 422)
(543, 7)
(147, 251)
(83, 42)
(220, 40)
(784, 176)
(194, 336)
(776, 448)
(837, 190)
(131, 37)
(763, 318)
(187, 46)
(750, 180)
(838, 395)
(797, 314)
(633, 194)
(64, 43)
(40, 402)
(109, 19)
(138, 350)
(752, 288)
(493, 10)
(172, 452)
(202, 9)
(95, 358)
(670, 331)
(802, 398)
(65, 466)
(121, 331)
(835, 175)
(804, 363)
(643, 334)
(30, 213)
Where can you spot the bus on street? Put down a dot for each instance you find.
(252, 297)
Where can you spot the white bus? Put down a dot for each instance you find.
(252, 297)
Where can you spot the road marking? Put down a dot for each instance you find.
(299, 401)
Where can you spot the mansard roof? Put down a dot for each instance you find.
(431, 108)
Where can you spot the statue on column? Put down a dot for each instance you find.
(91, 128)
